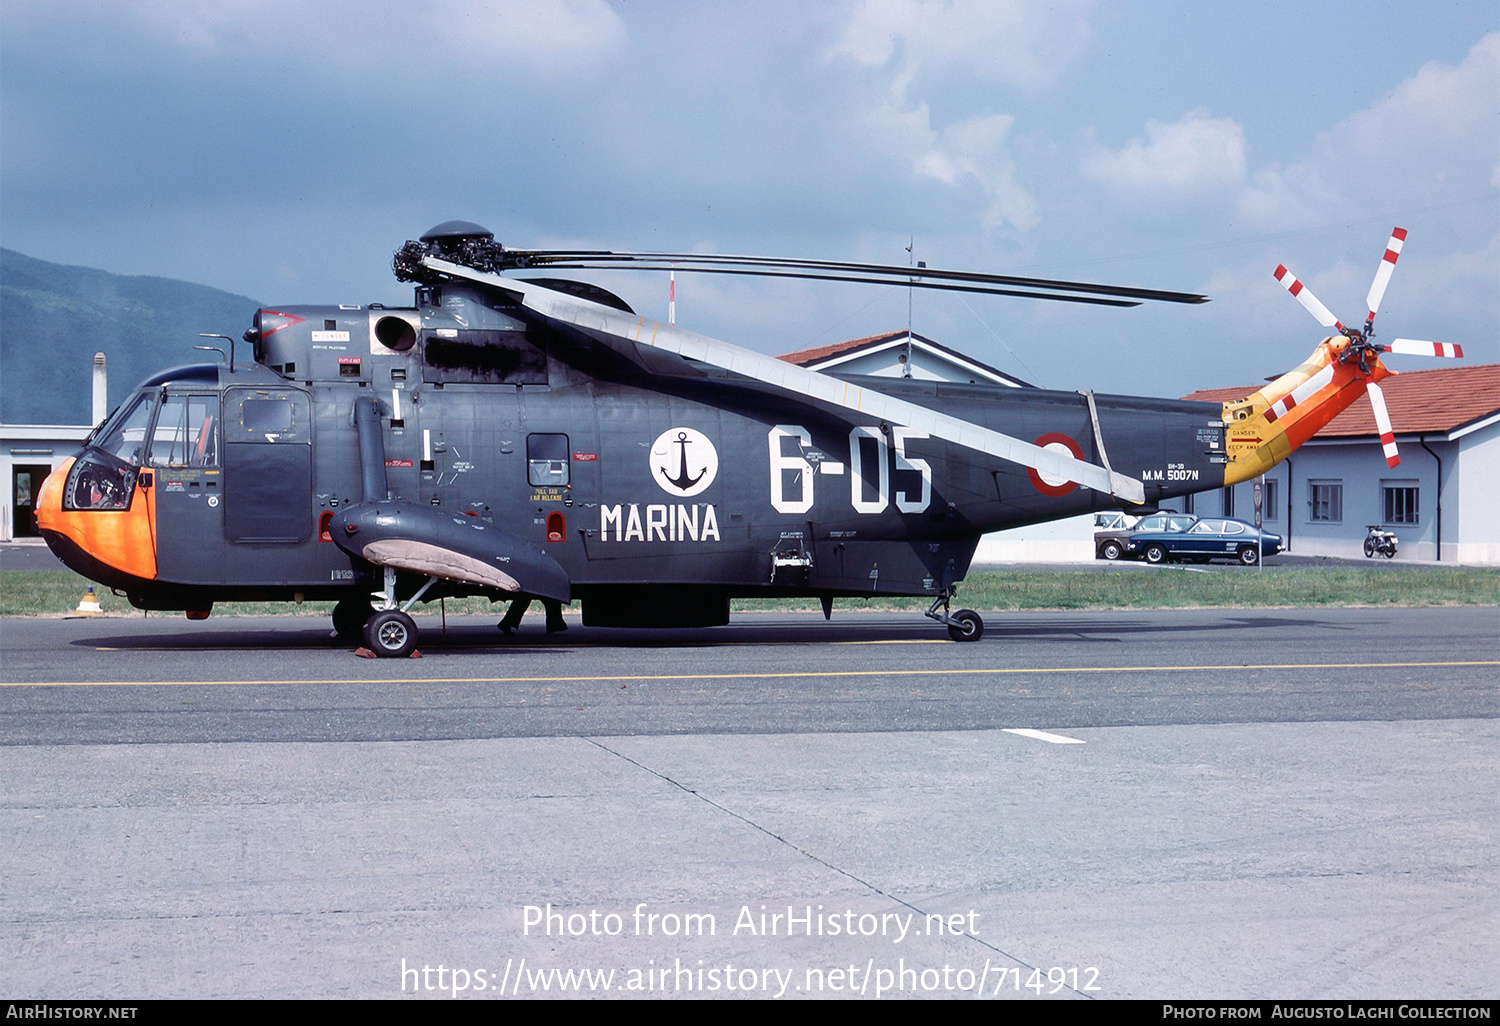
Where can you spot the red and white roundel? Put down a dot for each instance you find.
(1046, 483)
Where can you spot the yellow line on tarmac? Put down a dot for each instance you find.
(795, 674)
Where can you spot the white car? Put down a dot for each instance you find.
(1110, 529)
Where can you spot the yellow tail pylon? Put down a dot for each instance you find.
(1265, 428)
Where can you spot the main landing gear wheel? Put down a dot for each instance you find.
(964, 625)
(968, 628)
(350, 615)
(1156, 554)
(391, 634)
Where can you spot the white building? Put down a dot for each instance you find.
(905, 354)
(28, 453)
(1442, 500)
(900, 354)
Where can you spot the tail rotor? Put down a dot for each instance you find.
(1383, 276)
(1360, 347)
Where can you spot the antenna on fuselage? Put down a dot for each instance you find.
(226, 338)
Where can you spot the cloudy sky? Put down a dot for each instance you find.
(283, 149)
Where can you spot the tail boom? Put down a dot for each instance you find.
(1265, 428)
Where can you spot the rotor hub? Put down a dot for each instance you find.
(459, 242)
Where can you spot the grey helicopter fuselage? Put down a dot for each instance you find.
(661, 486)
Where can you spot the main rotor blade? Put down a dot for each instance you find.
(1414, 347)
(1383, 423)
(808, 275)
(1383, 272)
(1303, 295)
(607, 260)
(797, 380)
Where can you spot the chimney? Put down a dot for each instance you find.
(101, 390)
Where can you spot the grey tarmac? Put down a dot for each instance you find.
(1265, 803)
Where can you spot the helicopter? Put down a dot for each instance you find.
(533, 437)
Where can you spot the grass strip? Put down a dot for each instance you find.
(57, 592)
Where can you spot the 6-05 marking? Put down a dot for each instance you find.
(795, 494)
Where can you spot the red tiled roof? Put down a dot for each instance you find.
(1438, 400)
(803, 357)
(809, 357)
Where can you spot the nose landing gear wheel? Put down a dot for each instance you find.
(968, 628)
(391, 634)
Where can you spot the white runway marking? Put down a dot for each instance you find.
(1042, 735)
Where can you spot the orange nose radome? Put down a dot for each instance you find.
(121, 538)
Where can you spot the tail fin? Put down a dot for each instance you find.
(1264, 429)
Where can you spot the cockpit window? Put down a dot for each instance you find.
(126, 438)
(186, 432)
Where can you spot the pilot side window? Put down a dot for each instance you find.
(127, 439)
(187, 432)
(547, 459)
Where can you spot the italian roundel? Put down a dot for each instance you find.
(1064, 446)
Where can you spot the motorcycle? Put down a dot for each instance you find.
(1383, 542)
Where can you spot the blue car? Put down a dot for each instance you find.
(1163, 537)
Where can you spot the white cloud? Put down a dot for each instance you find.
(1012, 41)
(1195, 156)
(974, 151)
(955, 53)
(1434, 137)
(421, 38)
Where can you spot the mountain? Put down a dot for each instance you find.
(54, 318)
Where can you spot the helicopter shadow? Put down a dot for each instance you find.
(473, 638)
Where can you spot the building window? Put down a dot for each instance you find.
(1401, 502)
(1187, 503)
(1326, 498)
(1269, 503)
(1229, 500)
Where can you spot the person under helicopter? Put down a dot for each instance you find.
(512, 619)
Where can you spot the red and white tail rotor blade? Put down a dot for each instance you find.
(1304, 295)
(1415, 347)
(1383, 272)
(1383, 424)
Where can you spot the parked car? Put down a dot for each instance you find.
(1164, 537)
(1110, 529)
(1111, 543)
